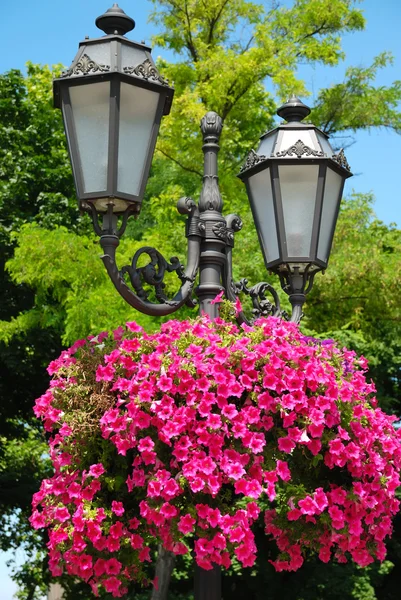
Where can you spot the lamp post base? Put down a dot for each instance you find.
(207, 583)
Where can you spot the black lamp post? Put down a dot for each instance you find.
(112, 98)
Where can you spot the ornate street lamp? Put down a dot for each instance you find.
(112, 98)
(295, 182)
(294, 190)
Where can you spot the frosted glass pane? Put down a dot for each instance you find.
(100, 53)
(298, 193)
(263, 211)
(90, 108)
(291, 136)
(327, 149)
(331, 199)
(137, 115)
(266, 144)
(131, 57)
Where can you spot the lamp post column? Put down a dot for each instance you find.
(212, 223)
(207, 584)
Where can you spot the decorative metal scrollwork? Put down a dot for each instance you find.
(341, 159)
(85, 65)
(234, 223)
(146, 70)
(225, 230)
(299, 149)
(262, 307)
(153, 274)
(252, 159)
(220, 230)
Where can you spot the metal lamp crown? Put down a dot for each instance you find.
(115, 21)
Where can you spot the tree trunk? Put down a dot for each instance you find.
(164, 568)
(55, 592)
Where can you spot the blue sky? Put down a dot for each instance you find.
(48, 32)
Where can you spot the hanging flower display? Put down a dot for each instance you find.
(195, 435)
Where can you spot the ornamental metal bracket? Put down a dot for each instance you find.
(146, 70)
(294, 282)
(251, 160)
(300, 149)
(341, 159)
(262, 306)
(85, 65)
(154, 272)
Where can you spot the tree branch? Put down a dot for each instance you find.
(190, 42)
(248, 45)
(319, 29)
(229, 105)
(177, 162)
(215, 20)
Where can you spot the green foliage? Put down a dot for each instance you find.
(240, 59)
(357, 300)
(23, 462)
(26, 456)
(75, 295)
(35, 181)
(345, 106)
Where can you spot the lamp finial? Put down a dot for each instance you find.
(115, 21)
(293, 110)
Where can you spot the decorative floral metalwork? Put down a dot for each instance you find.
(262, 307)
(234, 222)
(85, 65)
(220, 230)
(153, 274)
(251, 160)
(300, 149)
(146, 70)
(210, 198)
(341, 159)
(211, 125)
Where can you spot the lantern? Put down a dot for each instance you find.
(112, 99)
(294, 183)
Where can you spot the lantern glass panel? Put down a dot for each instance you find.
(266, 144)
(331, 200)
(291, 137)
(131, 56)
(323, 141)
(137, 117)
(100, 53)
(90, 106)
(263, 212)
(298, 185)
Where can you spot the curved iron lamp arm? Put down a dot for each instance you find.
(261, 305)
(296, 286)
(153, 273)
(209, 254)
(294, 283)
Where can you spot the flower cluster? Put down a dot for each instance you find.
(195, 435)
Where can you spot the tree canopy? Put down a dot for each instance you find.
(240, 59)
